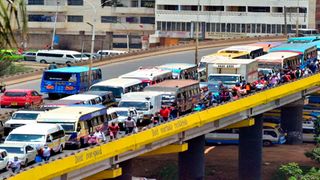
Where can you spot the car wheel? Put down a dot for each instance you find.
(2, 106)
(266, 143)
(43, 61)
(26, 163)
(68, 63)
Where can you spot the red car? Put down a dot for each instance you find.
(21, 97)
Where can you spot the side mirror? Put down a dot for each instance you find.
(151, 106)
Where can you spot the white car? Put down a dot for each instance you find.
(123, 113)
(24, 152)
(4, 159)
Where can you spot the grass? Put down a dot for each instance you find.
(14, 69)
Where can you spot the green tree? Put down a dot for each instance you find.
(13, 21)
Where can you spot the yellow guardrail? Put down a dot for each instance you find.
(135, 141)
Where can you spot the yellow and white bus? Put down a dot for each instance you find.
(78, 121)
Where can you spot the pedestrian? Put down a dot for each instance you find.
(92, 139)
(99, 135)
(129, 125)
(39, 156)
(113, 130)
(14, 165)
(165, 113)
(174, 112)
(156, 118)
(46, 152)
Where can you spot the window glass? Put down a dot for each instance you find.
(75, 18)
(75, 2)
(109, 19)
(35, 2)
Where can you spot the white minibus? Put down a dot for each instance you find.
(85, 98)
(118, 86)
(59, 56)
(37, 135)
(105, 53)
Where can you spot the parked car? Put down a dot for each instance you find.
(4, 159)
(29, 56)
(95, 55)
(21, 98)
(25, 153)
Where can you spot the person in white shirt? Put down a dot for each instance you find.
(46, 152)
(99, 135)
(14, 165)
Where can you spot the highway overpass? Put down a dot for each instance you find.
(186, 137)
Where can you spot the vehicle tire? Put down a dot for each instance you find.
(266, 143)
(68, 63)
(60, 149)
(43, 61)
(52, 95)
(26, 163)
(2, 106)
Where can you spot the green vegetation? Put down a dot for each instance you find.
(168, 172)
(293, 171)
(13, 21)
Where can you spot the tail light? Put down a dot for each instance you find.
(50, 87)
(69, 88)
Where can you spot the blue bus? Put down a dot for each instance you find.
(306, 39)
(308, 51)
(68, 80)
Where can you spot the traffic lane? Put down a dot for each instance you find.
(117, 69)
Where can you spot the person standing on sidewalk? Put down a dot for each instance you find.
(46, 152)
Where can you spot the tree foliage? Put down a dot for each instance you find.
(13, 21)
(293, 171)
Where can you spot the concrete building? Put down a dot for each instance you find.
(225, 18)
(114, 21)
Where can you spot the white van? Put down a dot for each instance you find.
(37, 135)
(146, 103)
(85, 98)
(105, 53)
(59, 56)
(118, 86)
(20, 118)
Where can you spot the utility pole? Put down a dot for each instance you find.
(197, 36)
(55, 25)
(297, 21)
(285, 21)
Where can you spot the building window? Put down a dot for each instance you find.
(254, 28)
(169, 7)
(169, 26)
(40, 18)
(35, 2)
(258, 9)
(147, 3)
(243, 28)
(75, 2)
(132, 20)
(178, 26)
(188, 26)
(109, 19)
(75, 18)
(183, 26)
(147, 20)
(190, 8)
(158, 25)
(264, 28)
(163, 26)
(213, 8)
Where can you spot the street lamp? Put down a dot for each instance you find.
(93, 29)
(197, 36)
(54, 25)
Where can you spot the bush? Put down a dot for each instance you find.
(293, 171)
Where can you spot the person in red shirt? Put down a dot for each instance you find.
(165, 113)
(113, 130)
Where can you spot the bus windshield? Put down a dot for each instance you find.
(116, 91)
(25, 116)
(224, 79)
(50, 76)
(140, 106)
(25, 137)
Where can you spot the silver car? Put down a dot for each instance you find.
(29, 56)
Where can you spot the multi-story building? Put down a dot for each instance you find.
(113, 19)
(225, 18)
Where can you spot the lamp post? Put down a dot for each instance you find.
(197, 36)
(127, 32)
(55, 25)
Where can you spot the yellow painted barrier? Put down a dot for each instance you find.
(136, 141)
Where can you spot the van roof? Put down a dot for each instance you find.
(116, 51)
(232, 61)
(29, 112)
(118, 82)
(81, 97)
(276, 56)
(36, 128)
(69, 113)
(140, 95)
(244, 48)
(176, 66)
(213, 57)
(146, 73)
(175, 83)
(59, 51)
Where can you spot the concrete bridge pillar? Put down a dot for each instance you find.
(191, 162)
(250, 151)
(126, 170)
(291, 121)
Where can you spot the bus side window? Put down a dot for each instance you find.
(90, 127)
(78, 127)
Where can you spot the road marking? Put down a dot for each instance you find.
(209, 149)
